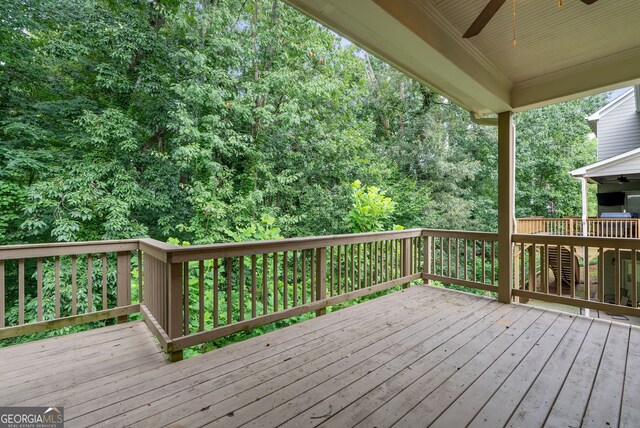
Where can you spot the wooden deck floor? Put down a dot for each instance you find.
(421, 357)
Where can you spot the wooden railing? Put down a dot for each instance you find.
(200, 293)
(463, 258)
(59, 285)
(196, 294)
(592, 273)
(570, 226)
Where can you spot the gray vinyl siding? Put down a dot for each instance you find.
(619, 129)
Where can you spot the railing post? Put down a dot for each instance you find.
(405, 253)
(174, 305)
(426, 266)
(124, 282)
(506, 184)
(321, 278)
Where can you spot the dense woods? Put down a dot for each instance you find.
(213, 120)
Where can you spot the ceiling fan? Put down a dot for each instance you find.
(487, 13)
(621, 179)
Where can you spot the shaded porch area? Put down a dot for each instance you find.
(424, 356)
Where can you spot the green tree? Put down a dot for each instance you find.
(371, 210)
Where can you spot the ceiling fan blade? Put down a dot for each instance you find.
(485, 16)
(589, 1)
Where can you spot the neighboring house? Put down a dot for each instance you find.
(617, 172)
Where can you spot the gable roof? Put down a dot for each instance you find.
(622, 164)
(619, 100)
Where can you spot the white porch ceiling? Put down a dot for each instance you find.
(561, 53)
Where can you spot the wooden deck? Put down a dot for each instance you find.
(421, 357)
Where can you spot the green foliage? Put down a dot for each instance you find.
(231, 121)
(552, 141)
(371, 210)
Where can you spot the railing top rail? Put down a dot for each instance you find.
(12, 252)
(537, 219)
(577, 241)
(484, 236)
(236, 249)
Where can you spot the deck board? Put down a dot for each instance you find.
(535, 406)
(422, 357)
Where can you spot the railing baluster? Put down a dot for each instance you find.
(285, 280)
(104, 281)
(216, 291)
(381, 263)
(370, 260)
(572, 272)
(617, 265)
(331, 271)
(275, 282)
(321, 274)
(392, 258)
(39, 279)
(432, 255)
(347, 261)
(457, 272)
(419, 260)
(265, 290)
(522, 266)
(359, 283)
(484, 256)
(295, 278)
(414, 252)
(201, 309)
(57, 287)
(559, 270)
(441, 242)
(229, 269)
(312, 254)
(587, 282)
(377, 268)
(89, 283)
(475, 249)
(353, 276)
(74, 287)
(466, 258)
(398, 256)
(546, 269)
(21, 291)
(389, 261)
(601, 274)
(140, 277)
(186, 320)
(449, 257)
(634, 279)
(303, 289)
(241, 286)
(339, 267)
(493, 262)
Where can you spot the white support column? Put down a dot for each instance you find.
(506, 204)
(585, 207)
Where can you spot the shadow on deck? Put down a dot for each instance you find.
(423, 356)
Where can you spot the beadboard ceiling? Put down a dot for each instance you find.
(561, 53)
(549, 38)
